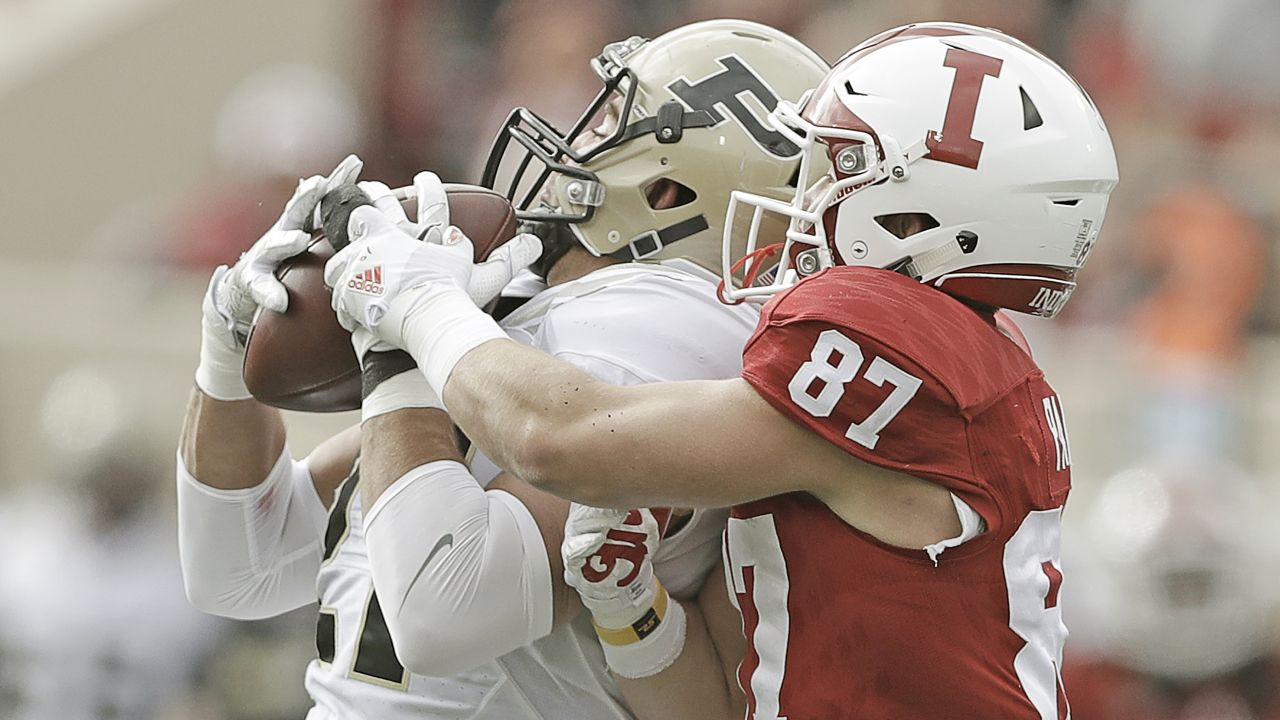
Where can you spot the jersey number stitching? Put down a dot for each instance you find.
(375, 658)
(832, 344)
(1031, 562)
(756, 572)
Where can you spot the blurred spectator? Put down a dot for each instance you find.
(1205, 258)
(1179, 596)
(278, 125)
(541, 53)
(94, 624)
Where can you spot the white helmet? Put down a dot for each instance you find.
(1183, 564)
(998, 156)
(689, 107)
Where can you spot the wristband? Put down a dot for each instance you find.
(409, 389)
(643, 627)
(440, 325)
(220, 374)
(649, 655)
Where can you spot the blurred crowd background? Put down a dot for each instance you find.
(142, 142)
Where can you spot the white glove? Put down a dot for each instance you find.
(220, 374)
(608, 559)
(432, 201)
(252, 282)
(371, 278)
(234, 294)
(409, 389)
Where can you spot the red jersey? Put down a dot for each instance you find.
(840, 625)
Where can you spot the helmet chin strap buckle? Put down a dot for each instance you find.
(897, 161)
(589, 193)
(670, 122)
(812, 260)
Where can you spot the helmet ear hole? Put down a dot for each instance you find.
(667, 194)
(904, 225)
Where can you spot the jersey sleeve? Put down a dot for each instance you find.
(866, 397)
(252, 553)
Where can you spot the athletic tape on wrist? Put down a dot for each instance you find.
(643, 627)
(377, 366)
(656, 652)
(220, 374)
(441, 325)
(409, 389)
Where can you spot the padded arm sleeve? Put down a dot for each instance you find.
(251, 553)
(461, 573)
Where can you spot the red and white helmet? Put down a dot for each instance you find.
(999, 156)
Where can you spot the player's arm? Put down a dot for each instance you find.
(250, 516)
(666, 655)
(720, 615)
(697, 444)
(702, 682)
(694, 444)
(462, 573)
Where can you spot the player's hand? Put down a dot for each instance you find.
(252, 281)
(431, 199)
(432, 202)
(608, 559)
(385, 270)
(220, 373)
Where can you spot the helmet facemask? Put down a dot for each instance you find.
(681, 121)
(853, 161)
(566, 155)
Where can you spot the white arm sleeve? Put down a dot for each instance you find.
(251, 553)
(461, 573)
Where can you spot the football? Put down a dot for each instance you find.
(302, 359)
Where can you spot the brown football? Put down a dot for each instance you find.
(302, 359)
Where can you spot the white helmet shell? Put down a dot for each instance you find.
(998, 155)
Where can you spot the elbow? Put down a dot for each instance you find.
(435, 629)
(542, 455)
(435, 648)
(209, 596)
(564, 457)
(429, 657)
(201, 596)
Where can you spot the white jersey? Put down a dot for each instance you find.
(356, 673)
(624, 324)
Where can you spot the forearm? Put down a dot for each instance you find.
(242, 557)
(645, 445)
(691, 688)
(230, 445)
(395, 443)
(462, 574)
(544, 420)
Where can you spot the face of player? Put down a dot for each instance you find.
(603, 129)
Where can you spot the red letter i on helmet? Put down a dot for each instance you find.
(955, 143)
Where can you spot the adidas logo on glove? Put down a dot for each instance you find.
(368, 282)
